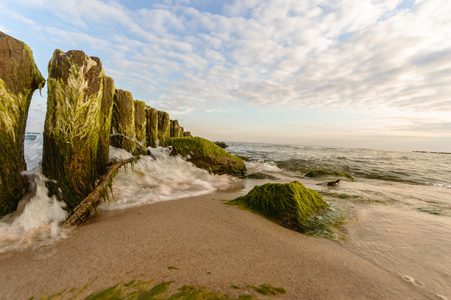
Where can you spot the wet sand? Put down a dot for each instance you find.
(211, 245)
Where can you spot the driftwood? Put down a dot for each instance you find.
(82, 212)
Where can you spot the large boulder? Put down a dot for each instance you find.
(19, 78)
(123, 123)
(207, 155)
(290, 204)
(78, 112)
(151, 126)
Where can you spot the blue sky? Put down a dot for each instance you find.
(367, 73)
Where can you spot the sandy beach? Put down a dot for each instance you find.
(196, 241)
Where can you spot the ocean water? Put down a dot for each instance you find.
(399, 203)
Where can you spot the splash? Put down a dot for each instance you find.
(160, 177)
(35, 222)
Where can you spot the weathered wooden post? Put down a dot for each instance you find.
(19, 78)
(151, 126)
(164, 128)
(78, 113)
(123, 124)
(140, 127)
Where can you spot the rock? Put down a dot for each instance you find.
(164, 128)
(260, 175)
(151, 126)
(187, 134)
(222, 144)
(19, 78)
(140, 127)
(78, 112)
(334, 183)
(123, 122)
(325, 173)
(290, 204)
(207, 155)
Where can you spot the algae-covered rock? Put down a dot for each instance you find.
(207, 155)
(325, 173)
(164, 128)
(19, 78)
(290, 204)
(187, 134)
(151, 126)
(123, 122)
(78, 106)
(140, 126)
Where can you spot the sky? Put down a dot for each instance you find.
(350, 73)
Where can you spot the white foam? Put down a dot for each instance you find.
(262, 166)
(161, 179)
(37, 223)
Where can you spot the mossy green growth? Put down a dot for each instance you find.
(123, 122)
(151, 126)
(290, 204)
(140, 126)
(267, 289)
(207, 155)
(76, 112)
(325, 173)
(19, 78)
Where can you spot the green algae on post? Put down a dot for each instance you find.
(151, 126)
(140, 126)
(74, 125)
(19, 78)
(123, 122)
(209, 156)
(164, 128)
(290, 204)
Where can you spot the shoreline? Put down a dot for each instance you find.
(196, 241)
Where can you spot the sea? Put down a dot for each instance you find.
(398, 204)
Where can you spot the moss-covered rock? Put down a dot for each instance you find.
(164, 128)
(19, 78)
(140, 126)
(207, 155)
(123, 122)
(75, 124)
(325, 173)
(290, 204)
(151, 126)
(260, 175)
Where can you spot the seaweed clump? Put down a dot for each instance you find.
(290, 204)
(207, 155)
(325, 173)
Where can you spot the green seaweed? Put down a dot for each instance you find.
(325, 173)
(290, 204)
(164, 128)
(207, 155)
(19, 78)
(173, 268)
(74, 126)
(151, 126)
(140, 126)
(123, 122)
(140, 290)
(267, 289)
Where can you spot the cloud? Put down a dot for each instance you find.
(338, 54)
